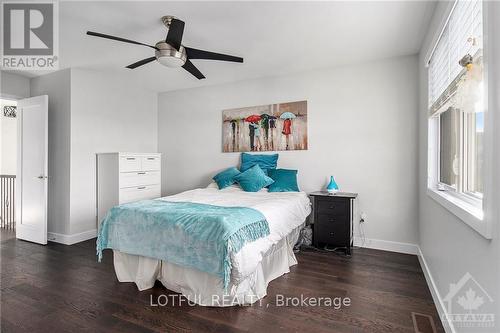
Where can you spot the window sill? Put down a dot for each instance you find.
(468, 213)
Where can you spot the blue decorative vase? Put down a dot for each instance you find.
(332, 186)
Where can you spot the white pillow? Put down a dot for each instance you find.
(232, 187)
(212, 185)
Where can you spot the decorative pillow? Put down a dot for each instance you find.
(253, 179)
(226, 178)
(265, 161)
(284, 180)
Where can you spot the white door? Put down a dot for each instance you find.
(32, 180)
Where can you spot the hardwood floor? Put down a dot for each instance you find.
(6, 234)
(58, 288)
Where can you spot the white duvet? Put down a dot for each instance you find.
(284, 212)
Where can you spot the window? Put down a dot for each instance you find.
(461, 152)
(449, 152)
(456, 107)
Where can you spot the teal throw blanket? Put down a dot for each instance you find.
(187, 234)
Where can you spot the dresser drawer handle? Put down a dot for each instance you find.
(332, 207)
(331, 233)
(151, 158)
(141, 187)
(130, 158)
(141, 173)
(331, 220)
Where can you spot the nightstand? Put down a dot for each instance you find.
(333, 216)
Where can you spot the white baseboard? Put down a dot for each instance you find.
(379, 244)
(71, 239)
(436, 296)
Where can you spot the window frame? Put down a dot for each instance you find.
(471, 208)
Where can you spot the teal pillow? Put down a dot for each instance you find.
(226, 178)
(265, 161)
(284, 180)
(253, 179)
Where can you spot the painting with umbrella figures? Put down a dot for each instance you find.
(265, 128)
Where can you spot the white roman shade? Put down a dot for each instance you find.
(462, 35)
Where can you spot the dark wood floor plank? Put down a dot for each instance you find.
(58, 288)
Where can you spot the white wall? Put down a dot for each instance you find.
(14, 85)
(450, 247)
(106, 115)
(57, 86)
(89, 112)
(8, 140)
(362, 129)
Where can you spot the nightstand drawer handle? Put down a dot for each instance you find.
(331, 233)
(332, 207)
(331, 220)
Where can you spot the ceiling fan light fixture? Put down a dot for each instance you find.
(171, 61)
(169, 56)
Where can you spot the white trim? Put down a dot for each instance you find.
(469, 214)
(379, 244)
(71, 239)
(436, 296)
(490, 120)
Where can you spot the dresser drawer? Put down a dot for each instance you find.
(130, 163)
(131, 194)
(131, 179)
(151, 163)
(335, 206)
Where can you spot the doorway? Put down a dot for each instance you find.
(8, 167)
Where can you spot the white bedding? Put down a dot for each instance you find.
(284, 212)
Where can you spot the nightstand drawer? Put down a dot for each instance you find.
(335, 219)
(337, 236)
(332, 206)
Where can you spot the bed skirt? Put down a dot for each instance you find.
(203, 288)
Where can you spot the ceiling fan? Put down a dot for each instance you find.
(171, 52)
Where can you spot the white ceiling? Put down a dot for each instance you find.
(275, 38)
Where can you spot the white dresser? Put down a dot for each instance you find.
(126, 177)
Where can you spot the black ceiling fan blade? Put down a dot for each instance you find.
(98, 34)
(175, 32)
(193, 70)
(141, 62)
(201, 54)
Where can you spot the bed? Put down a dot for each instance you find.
(252, 267)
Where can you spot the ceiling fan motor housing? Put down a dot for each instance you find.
(170, 56)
